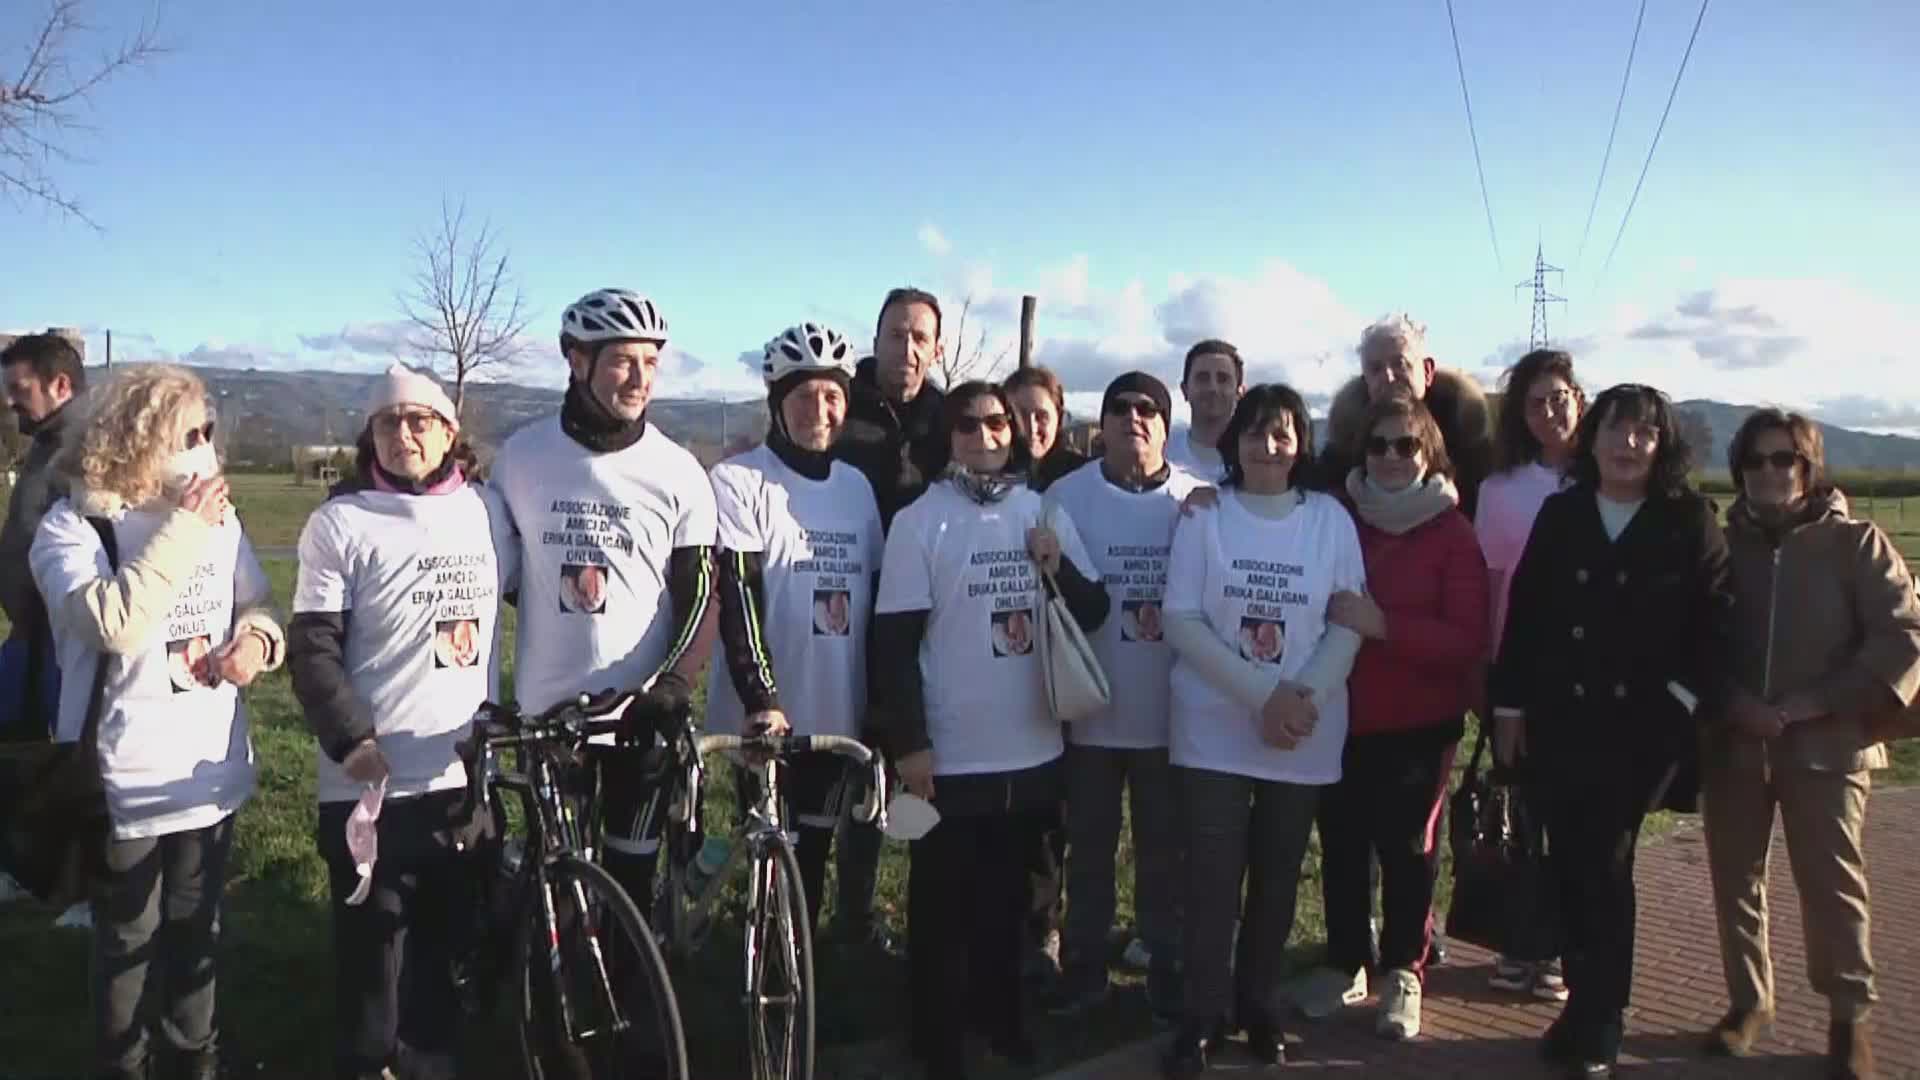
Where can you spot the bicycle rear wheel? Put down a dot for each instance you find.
(779, 955)
(592, 994)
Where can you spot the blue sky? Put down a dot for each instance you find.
(1277, 173)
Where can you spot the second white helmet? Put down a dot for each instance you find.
(808, 347)
(613, 315)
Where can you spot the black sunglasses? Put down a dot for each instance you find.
(1779, 459)
(1144, 408)
(1405, 446)
(198, 436)
(971, 425)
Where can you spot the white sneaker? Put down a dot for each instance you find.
(1137, 956)
(1549, 984)
(11, 891)
(77, 917)
(1400, 1006)
(1327, 991)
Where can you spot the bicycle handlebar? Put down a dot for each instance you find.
(872, 810)
(572, 720)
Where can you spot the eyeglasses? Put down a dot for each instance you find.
(1560, 401)
(1779, 459)
(200, 435)
(971, 425)
(1405, 446)
(1144, 408)
(419, 423)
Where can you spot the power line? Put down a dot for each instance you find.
(1611, 132)
(1472, 134)
(1656, 137)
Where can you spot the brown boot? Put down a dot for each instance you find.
(1737, 1031)
(1849, 1052)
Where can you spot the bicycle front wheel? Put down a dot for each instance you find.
(593, 998)
(779, 955)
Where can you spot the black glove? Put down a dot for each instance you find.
(658, 710)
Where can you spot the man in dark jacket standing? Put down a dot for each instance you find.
(43, 373)
(1394, 360)
(893, 419)
(893, 437)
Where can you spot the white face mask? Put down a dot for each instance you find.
(184, 466)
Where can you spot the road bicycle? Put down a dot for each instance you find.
(779, 989)
(591, 993)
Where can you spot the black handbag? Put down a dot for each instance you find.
(1502, 897)
(53, 821)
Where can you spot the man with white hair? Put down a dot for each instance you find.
(1394, 360)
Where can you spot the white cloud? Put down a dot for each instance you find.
(393, 338)
(933, 240)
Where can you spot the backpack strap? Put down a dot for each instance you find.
(90, 732)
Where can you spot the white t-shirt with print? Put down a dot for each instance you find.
(595, 531)
(820, 543)
(1263, 586)
(174, 754)
(967, 564)
(1202, 462)
(420, 581)
(1130, 537)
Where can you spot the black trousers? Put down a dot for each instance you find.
(1593, 815)
(1386, 806)
(394, 996)
(967, 894)
(156, 919)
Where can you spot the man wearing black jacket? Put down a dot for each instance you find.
(893, 437)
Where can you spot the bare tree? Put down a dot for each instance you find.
(465, 305)
(965, 358)
(43, 105)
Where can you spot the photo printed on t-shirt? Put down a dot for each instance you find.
(456, 643)
(583, 589)
(1013, 632)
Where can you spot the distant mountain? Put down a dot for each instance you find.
(264, 412)
(1847, 450)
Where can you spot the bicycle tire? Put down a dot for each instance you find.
(779, 920)
(653, 1046)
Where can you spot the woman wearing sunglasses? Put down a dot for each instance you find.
(1258, 712)
(1424, 621)
(177, 611)
(1616, 649)
(1827, 637)
(960, 700)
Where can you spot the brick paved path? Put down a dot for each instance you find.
(1470, 1031)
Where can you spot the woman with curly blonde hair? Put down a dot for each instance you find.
(145, 570)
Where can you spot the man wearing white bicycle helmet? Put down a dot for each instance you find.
(800, 544)
(615, 523)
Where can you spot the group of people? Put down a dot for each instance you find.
(1293, 628)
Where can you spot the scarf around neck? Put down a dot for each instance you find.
(983, 488)
(444, 480)
(1400, 512)
(588, 422)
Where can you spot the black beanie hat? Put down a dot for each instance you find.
(1139, 382)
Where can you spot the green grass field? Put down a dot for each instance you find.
(276, 975)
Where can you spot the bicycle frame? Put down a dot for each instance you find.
(555, 828)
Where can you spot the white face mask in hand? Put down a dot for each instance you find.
(363, 839)
(910, 817)
(199, 461)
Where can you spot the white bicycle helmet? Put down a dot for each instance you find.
(612, 315)
(808, 347)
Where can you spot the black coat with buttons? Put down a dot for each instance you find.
(1597, 629)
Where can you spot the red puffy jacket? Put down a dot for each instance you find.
(1432, 584)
